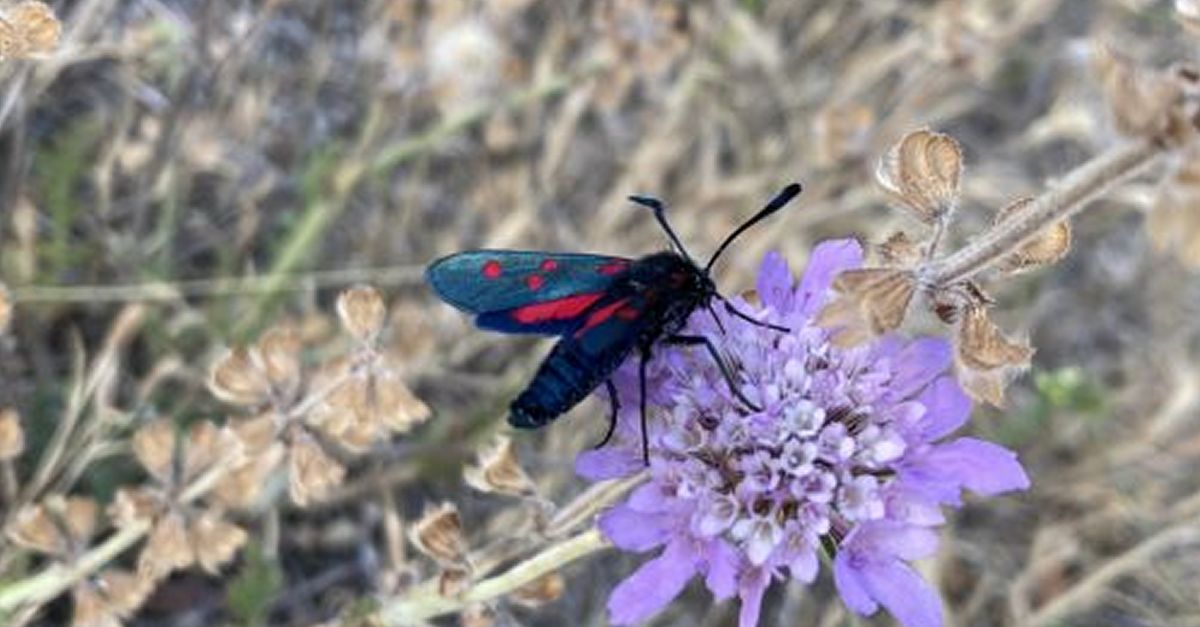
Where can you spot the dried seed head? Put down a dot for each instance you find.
(362, 311)
(1144, 102)
(107, 598)
(313, 474)
(843, 132)
(1048, 246)
(921, 173)
(256, 434)
(453, 581)
(500, 471)
(134, 505)
(1174, 224)
(236, 379)
(278, 352)
(154, 447)
(986, 359)
(207, 445)
(58, 526)
(167, 548)
(242, 487)
(870, 302)
(543, 590)
(439, 535)
(368, 407)
(900, 250)
(6, 309)
(28, 28)
(12, 436)
(214, 540)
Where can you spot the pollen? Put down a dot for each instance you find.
(534, 281)
(491, 269)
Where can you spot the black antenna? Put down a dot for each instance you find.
(659, 210)
(784, 196)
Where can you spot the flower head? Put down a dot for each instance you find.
(846, 455)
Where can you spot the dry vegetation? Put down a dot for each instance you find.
(204, 421)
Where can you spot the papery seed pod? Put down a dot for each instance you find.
(362, 311)
(134, 505)
(167, 548)
(154, 447)
(205, 446)
(278, 351)
(870, 302)
(901, 251)
(108, 597)
(1048, 246)
(6, 309)
(1139, 98)
(242, 487)
(313, 474)
(453, 581)
(543, 590)
(439, 535)
(58, 526)
(236, 379)
(12, 436)
(500, 471)
(214, 540)
(256, 434)
(986, 359)
(921, 174)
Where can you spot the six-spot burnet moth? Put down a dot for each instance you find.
(603, 308)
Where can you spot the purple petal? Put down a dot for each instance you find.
(723, 567)
(632, 530)
(982, 467)
(947, 408)
(919, 363)
(903, 592)
(912, 507)
(892, 539)
(753, 586)
(648, 498)
(804, 566)
(827, 260)
(650, 588)
(775, 283)
(850, 586)
(610, 462)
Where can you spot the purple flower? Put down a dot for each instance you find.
(847, 452)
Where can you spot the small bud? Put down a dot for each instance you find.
(167, 548)
(543, 590)
(1048, 246)
(921, 173)
(439, 535)
(154, 448)
(499, 471)
(6, 309)
(870, 302)
(313, 474)
(362, 311)
(236, 379)
(12, 436)
(215, 540)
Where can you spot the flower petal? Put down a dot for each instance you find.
(632, 530)
(941, 471)
(919, 363)
(652, 586)
(903, 592)
(893, 539)
(611, 462)
(827, 260)
(850, 586)
(723, 567)
(648, 498)
(947, 408)
(751, 590)
(774, 283)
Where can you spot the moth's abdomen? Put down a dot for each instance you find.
(564, 379)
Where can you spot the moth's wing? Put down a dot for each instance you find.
(524, 291)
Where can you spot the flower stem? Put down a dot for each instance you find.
(425, 602)
(1068, 197)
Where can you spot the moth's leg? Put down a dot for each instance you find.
(699, 340)
(642, 389)
(616, 406)
(748, 318)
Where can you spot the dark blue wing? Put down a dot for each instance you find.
(524, 291)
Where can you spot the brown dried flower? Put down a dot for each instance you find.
(236, 379)
(313, 473)
(870, 302)
(12, 436)
(921, 173)
(26, 29)
(372, 402)
(439, 535)
(987, 359)
(362, 312)
(1047, 247)
(268, 372)
(543, 590)
(500, 471)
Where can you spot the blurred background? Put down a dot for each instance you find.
(223, 166)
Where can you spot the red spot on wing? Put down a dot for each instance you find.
(561, 309)
(628, 313)
(600, 315)
(549, 265)
(534, 282)
(491, 269)
(613, 267)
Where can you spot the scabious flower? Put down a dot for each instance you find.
(847, 456)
